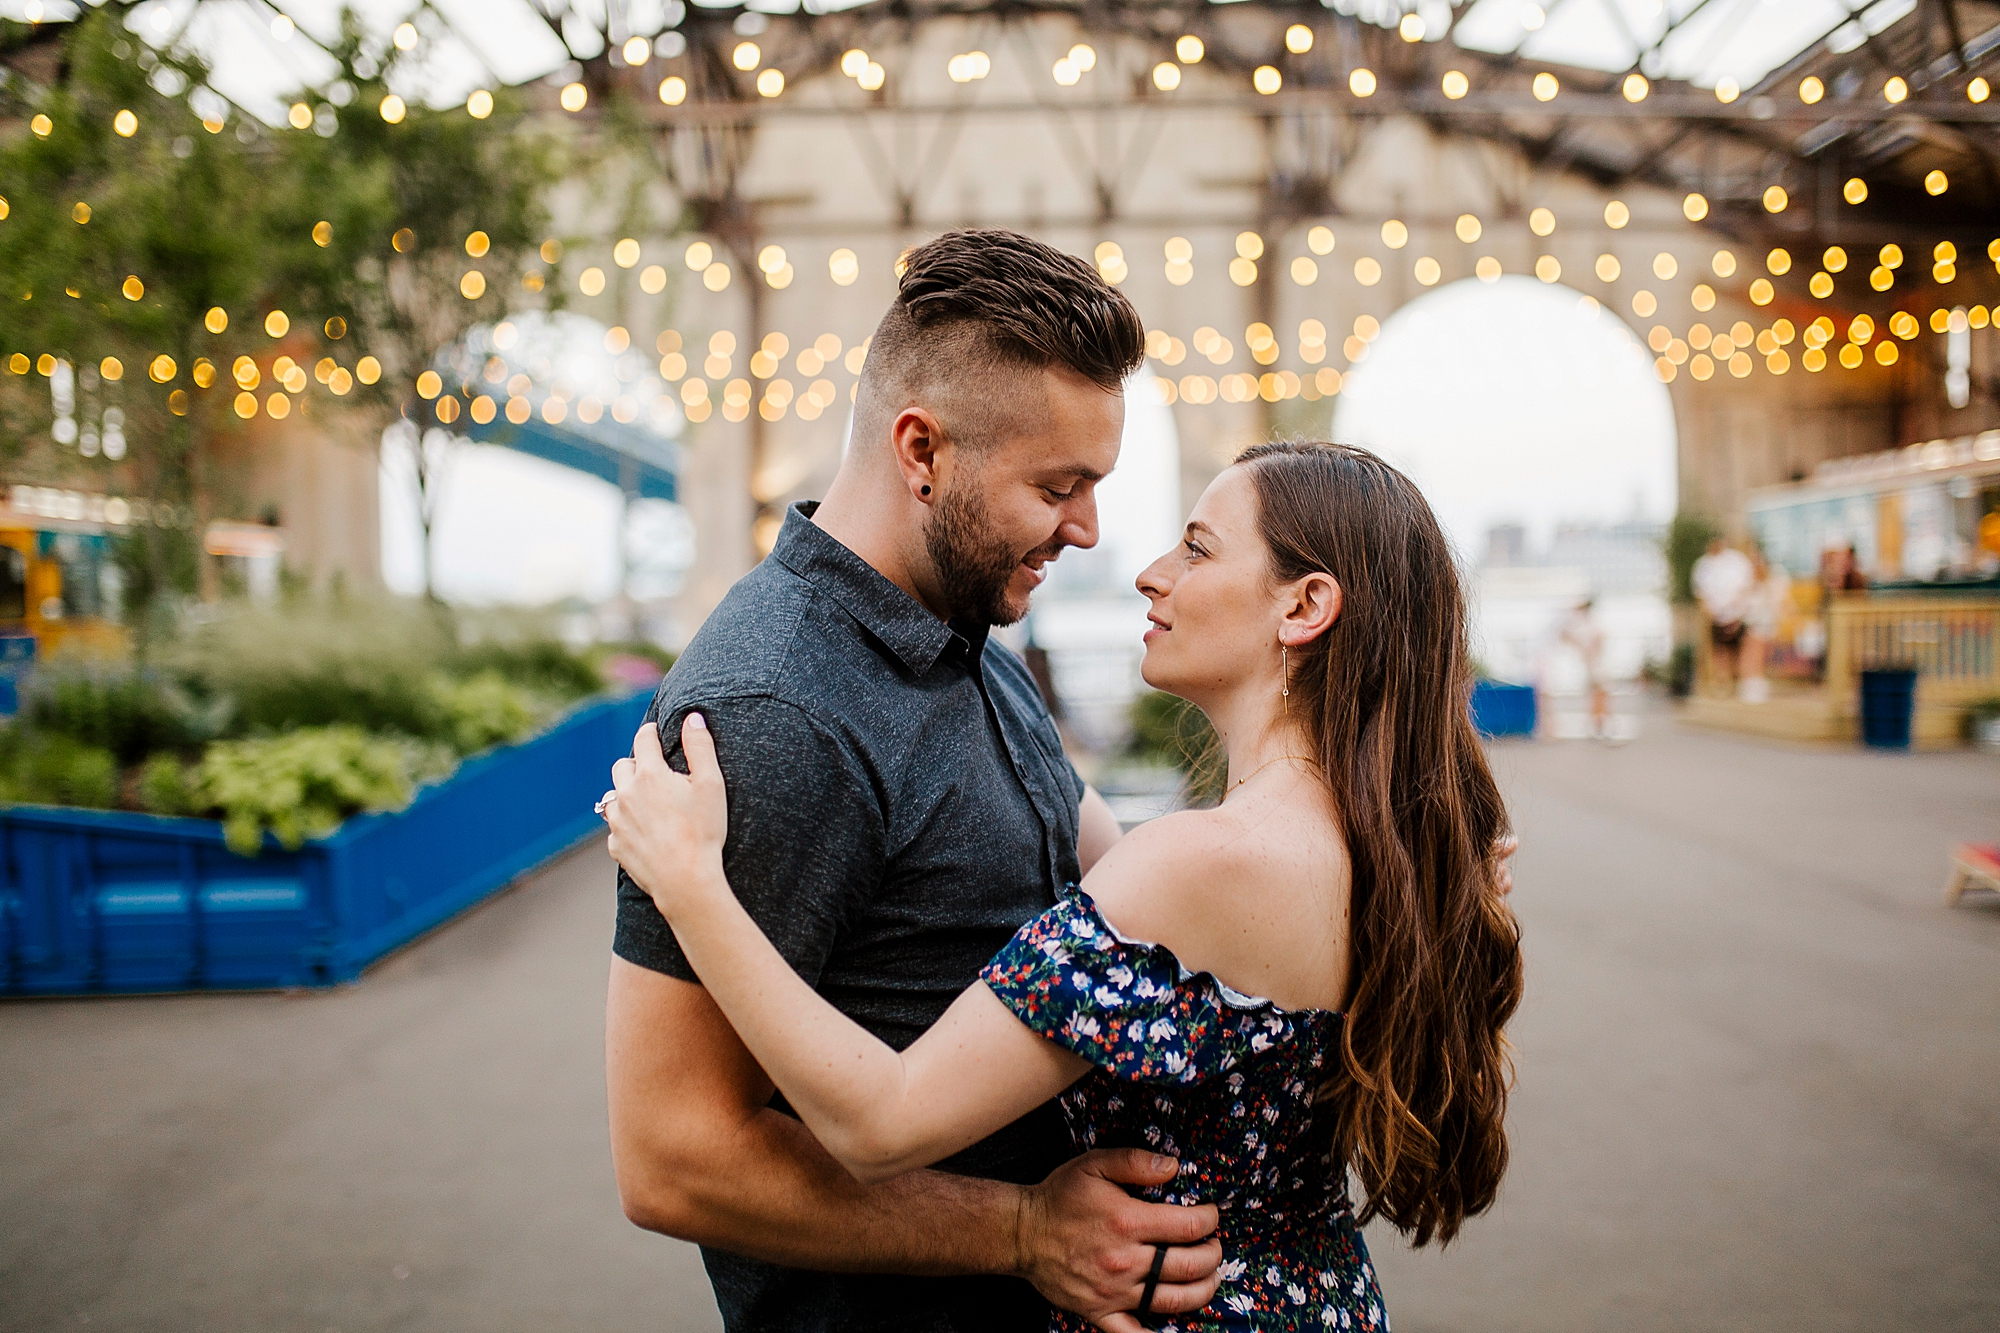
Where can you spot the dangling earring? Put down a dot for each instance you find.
(1285, 685)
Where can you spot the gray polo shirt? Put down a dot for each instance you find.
(899, 803)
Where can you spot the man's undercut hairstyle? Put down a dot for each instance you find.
(975, 310)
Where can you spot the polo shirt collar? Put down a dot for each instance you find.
(905, 627)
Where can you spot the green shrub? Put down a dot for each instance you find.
(546, 666)
(43, 769)
(302, 785)
(1686, 540)
(1170, 730)
(119, 708)
(166, 787)
(486, 710)
(599, 653)
(368, 665)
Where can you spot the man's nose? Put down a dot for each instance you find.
(1079, 524)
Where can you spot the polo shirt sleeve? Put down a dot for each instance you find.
(806, 834)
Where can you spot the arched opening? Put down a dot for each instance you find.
(1533, 421)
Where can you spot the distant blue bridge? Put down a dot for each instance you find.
(637, 462)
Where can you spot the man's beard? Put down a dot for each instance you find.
(974, 568)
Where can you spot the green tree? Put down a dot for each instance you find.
(126, 221)
(350, 228)
(1687, 537)
(426, 223)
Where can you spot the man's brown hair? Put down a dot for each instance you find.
(977, 307)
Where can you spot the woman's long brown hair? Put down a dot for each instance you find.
(1435, 961)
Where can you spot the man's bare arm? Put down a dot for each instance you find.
(700, 1156)
(1098, 828)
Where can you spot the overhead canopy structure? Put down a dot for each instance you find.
(1718, 89)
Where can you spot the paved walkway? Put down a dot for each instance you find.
(1759, 1072)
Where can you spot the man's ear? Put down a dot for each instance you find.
(922, 452)
(1311, 606)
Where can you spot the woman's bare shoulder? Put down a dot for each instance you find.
(1159, 882)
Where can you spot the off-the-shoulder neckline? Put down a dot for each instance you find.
(1229, 995)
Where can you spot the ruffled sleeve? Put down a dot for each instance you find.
(1125, 1005)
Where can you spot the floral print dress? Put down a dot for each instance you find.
(1225, 1082)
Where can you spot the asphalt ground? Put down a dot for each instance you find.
(1759, 1065)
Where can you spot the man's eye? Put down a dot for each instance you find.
(1193, 549)
(1055, 494)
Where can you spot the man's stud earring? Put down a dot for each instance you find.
(927, 490)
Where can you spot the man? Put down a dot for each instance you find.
(1723, 582)
(899, 805)
(1581, 632)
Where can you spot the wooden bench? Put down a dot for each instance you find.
(1974, 865)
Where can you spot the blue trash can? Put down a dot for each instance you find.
(17, 659)
(1888, 700)
(1500, 709)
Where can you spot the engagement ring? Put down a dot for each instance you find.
(598, 809)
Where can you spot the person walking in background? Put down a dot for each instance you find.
(1770, 602)
(1839, 572)
(1723, 581)
(1582, 633)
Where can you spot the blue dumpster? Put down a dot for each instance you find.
(96, 901)
(17, 659)
(1888, 702)
(1500, 709)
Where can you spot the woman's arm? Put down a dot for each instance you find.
(877, 1111)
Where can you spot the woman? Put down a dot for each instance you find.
(1310, 977)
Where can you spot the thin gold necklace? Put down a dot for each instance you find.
(1303, 759)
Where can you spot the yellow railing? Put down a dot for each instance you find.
(1953, 642)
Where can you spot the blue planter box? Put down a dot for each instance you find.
(99, 901)
(1499, 709)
